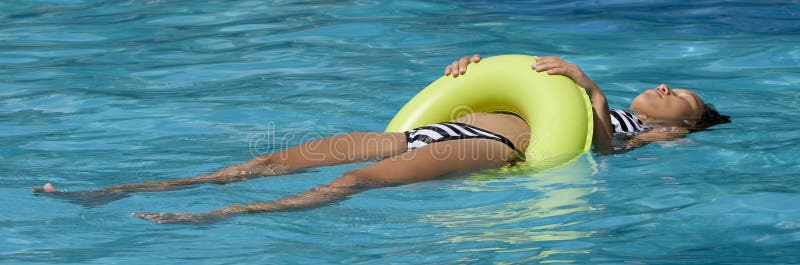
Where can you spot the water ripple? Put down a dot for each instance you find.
(99, 93)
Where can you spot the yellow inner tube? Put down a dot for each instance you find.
(558, 110)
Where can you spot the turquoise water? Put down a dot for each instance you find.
(99, 93)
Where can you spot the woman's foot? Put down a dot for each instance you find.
(44, 188)
(87, 198)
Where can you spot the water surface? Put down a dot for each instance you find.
(99, 93)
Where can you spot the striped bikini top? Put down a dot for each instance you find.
(626, 123)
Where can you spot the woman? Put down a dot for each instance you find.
(471, 142)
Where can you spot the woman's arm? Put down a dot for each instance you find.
(659, 134)
(602, 134)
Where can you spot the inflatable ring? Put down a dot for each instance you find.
(558, 111)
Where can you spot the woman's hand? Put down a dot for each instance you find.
(602, 133)
(557, 66)
(460, 67)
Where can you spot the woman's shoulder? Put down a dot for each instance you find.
(625, 121)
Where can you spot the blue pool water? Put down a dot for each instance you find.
(99, 93)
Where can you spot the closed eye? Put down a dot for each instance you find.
(691, 99)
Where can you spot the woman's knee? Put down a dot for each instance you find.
(355, 179)
(377, 173)
(269, 164)
(346, 180)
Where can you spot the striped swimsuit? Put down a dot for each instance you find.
(626, 123)
(446, 131)
(623, 122)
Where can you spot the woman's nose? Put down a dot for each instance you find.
(664, 89)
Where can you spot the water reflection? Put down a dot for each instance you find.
(536, 224)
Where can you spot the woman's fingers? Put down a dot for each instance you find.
(552, 65)
(557, 71)
(544, 66)
(451, 69)
(548, 60)
(460, 67)
(476, 58)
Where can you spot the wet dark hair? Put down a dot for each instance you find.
(710, 118)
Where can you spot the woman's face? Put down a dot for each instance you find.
(668, 105)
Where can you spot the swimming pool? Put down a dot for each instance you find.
(98, 93)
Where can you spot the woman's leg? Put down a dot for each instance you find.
(433, 161)
(339, 149)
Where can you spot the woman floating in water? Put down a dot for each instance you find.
(469, 143)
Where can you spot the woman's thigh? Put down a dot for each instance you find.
(339, 149)
(438, 160)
